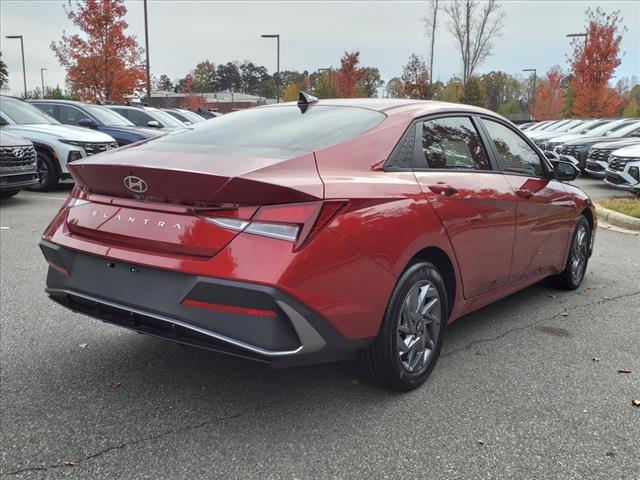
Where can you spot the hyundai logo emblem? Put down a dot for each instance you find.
(18, 152)
(135, 184)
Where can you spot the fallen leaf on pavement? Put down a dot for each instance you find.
(70, 463)
(83, 345)
(565, 314)
(588, 289)
(480, 442)
(116, 385)
(635, 403)
(624, 370)
(595, 359)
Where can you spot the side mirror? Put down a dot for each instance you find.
(565, 171)
(87, 122)
(154, 124)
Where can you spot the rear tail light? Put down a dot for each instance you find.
(78, 197)
(296, 223)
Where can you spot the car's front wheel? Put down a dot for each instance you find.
(410, 339)
(47, 172)
(578, 258)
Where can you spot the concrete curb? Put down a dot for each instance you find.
(618, 219)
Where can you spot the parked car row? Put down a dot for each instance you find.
(603, 148)
(62, 131)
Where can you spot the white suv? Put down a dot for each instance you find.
(56, 144)
(623, 169)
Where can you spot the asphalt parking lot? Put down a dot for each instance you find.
(526, 388)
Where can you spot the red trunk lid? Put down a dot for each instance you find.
(155, 200)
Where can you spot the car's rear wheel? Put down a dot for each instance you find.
(410, 339)
(47, 172)
(578, 258)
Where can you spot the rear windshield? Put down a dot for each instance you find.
(280, 131)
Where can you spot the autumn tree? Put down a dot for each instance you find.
(370, 83)
(228, 77)
(164, 83)
(473, 94)
(632, 110)
(4, 74)
(325, 84)
(191, 101)
(474, 25)
(549, 101)
(291, 92)
(593, 63)
(103, 63)
(253, 76)
(415, 78)
(204, 77)
(395, 88)
(349, 75)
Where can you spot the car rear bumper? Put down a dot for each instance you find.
(237, 318)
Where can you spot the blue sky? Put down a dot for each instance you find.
(313, 35)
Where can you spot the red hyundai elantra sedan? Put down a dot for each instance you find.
(310, 232)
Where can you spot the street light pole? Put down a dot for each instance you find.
(146, 47)
(277, 37)
(533, 101)
(42, 80)
(585, 35)
(24, 74)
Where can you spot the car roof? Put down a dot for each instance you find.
(394, 105)
(54, 100)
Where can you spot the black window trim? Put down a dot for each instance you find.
(546, 165)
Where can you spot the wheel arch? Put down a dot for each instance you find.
(445, 266)
(51, 152)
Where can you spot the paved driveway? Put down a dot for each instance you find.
(526, 388)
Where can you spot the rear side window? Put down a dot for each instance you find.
(70, 115)
(453, 143)
(516, 154)
(48, 109)
(139, 117)
(278, 132)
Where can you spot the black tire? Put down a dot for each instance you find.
(48, 172)
(8, 194)
(382, 361)
(569, 278)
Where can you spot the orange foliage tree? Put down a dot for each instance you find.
(191, 101)
(593, 63)
(104, 63)
(349, 75)
(550, 96)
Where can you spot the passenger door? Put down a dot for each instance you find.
(473, 200)
(544, 211)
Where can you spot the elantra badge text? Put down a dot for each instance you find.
(128, 219)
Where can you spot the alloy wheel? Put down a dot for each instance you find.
(579, 254)
(419, 326)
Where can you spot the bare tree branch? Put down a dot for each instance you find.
(474, 25)
(431, 24)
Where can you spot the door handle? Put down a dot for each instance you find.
(524, 193)
(443, 189)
